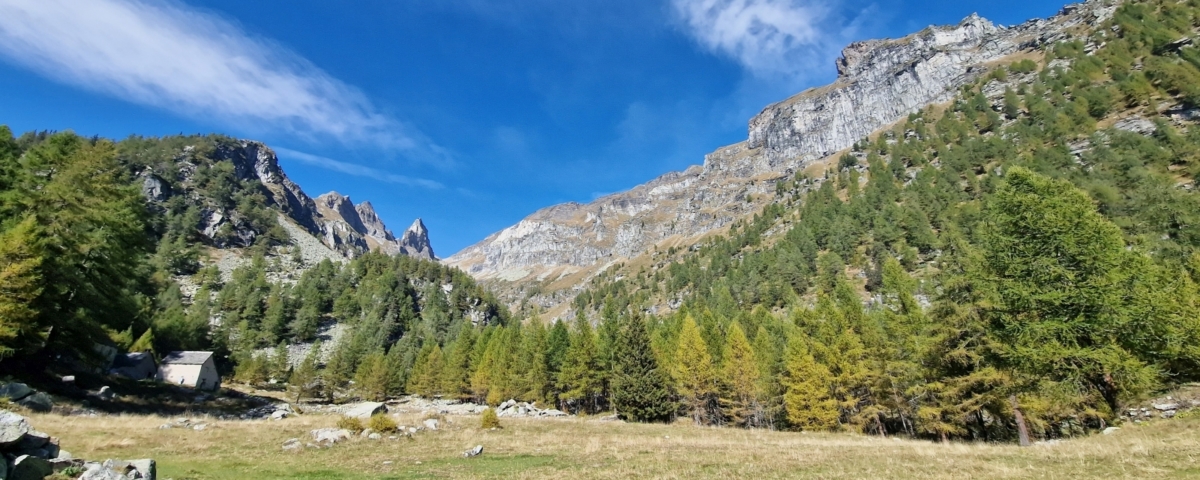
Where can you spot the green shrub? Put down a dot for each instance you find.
(490, 420)
(1023, 66)
(382, 423)
(354, 425)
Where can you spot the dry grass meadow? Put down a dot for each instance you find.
(588, 448)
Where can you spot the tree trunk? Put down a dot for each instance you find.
(944, 437)
(1022, 430)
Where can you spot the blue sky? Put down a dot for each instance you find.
(468, 113)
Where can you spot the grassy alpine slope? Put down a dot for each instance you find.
(588, 448)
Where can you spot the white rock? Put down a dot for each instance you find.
(13, 428)
(431, 423)
(365, 410)
(1110, 430)
(330, 435)
(474, 452)
(97, 471)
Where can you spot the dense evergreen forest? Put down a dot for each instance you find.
(87, 257)
(1015, 256)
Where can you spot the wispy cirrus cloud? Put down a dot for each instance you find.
(770, 38)
(356, 169)
(167, 55)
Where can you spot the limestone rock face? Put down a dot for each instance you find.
(880, 82)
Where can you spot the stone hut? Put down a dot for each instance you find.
(137, 365)
(192, 369)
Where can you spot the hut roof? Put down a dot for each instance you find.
(186, 358)
(131, 359)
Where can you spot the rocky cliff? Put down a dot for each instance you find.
(212, 169)
(879, 83)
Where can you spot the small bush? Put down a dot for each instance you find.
(382, 423)
(1023, 66)
(354, 425)
(490, 420)
(847, 161)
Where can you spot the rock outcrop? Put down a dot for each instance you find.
(27, 454)
(415, 242)
(332, 218)
(880, 82)
(353, 229)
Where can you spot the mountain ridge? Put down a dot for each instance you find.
(552, 251)
(332, 218)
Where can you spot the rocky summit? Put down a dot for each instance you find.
(556, 249)
(415, 242)
(332, 218)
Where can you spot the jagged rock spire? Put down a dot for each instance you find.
(415, 241)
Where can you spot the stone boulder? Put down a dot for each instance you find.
(330, 435)
(33, 440)
(38, 402)
(29, 467)
(474, 452)
(146, 468)
(13, 428)
(15, 391)
(96, 471)
(365, 410)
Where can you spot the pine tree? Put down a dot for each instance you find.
(456, 377)
(373, 379)
(427, 373)
(504, 377)
(639, 388)
(768, 388)
(739, 372)
(281, 365)
(483, 356)
(807, 399)
(535, 379)
(305, 378)
(19, 284)
(144, 343)
(91, 235)
(557, 343)
(695, 376)
(579, 382)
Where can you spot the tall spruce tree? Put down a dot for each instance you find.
(639, 387)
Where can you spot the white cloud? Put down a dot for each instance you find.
(770, 38)
(167, 55)
(356, 169)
